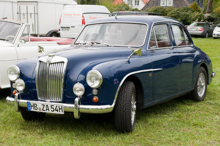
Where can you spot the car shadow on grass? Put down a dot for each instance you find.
(101, 123)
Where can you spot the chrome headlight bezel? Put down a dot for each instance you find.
(96, 75)
(16, 75)
(78, 89)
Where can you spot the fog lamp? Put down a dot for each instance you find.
(78, 89)
(19, 85)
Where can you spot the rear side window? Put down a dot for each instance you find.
(180, 37)
(160, 37)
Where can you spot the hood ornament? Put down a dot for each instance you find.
(50, 57)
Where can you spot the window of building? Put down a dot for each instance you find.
(166, 2)
(136, 2)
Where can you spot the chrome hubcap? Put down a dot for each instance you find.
(133, 108)
(201, 85)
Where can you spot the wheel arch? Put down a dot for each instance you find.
(206, 69)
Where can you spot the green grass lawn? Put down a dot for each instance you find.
(177, 122)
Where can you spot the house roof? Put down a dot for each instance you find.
(117, 2)
(145, 1)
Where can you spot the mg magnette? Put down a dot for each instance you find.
(117, 64)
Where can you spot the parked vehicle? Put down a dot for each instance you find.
(42, 15)
(74, 17)
(203, 29)
(115, 65)
(119, 13)
(16, 45)
(216, 32)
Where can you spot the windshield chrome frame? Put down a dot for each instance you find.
(130, 22)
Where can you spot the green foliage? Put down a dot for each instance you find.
(185, 15)
(195, 7)
(216, 3)
(217, 10)
(160, 10)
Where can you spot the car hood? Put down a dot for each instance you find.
(217, 29)
(5, 44)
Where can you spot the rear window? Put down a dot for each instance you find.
(198, 24)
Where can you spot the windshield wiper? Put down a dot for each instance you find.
(92, 43)
(2, 39)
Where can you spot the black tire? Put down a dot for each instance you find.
(125, 111)
(206, 35)
(54, 34)
(31, 116)
(214, 38)
(199, 92)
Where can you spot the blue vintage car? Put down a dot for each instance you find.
(118, 64)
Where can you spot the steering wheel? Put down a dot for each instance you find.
(9, 36)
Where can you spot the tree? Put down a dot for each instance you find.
(209, 7)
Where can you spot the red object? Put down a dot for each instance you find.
(60, 20)
(201, 29)
(14, 92)
(83, 20)
(60, 41)
(95, 99)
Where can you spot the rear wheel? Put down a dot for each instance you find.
(29, 116)
(200, 88)
(125, 108)
(206, 35)
(54, 34)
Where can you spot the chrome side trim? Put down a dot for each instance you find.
(122, 81)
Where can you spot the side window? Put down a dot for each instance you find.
(180, 36)
(160, 36)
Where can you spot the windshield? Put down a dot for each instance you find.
(113, 34)
(8, 30)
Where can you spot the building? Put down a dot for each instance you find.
(169, 3)
(139, 4)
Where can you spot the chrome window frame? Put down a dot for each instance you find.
(184, 31)
(170, 37)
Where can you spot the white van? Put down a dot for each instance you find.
(74, 17)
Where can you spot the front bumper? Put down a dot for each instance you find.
(76, 108)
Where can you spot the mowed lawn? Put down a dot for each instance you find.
(177, 122)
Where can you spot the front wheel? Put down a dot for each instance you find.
(200, 88)
(29, 116)
(125, 108)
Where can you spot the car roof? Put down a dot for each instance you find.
(147, 19)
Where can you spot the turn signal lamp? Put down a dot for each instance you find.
(95, 99)
(14, 92)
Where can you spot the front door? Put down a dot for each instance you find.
(165, 58)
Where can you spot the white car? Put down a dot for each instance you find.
(216, 32)
(16, 45)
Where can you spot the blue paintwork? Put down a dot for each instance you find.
(179, 68)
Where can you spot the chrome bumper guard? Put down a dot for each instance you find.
(76, 108)
(213, 75)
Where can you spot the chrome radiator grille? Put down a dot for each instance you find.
(49, 78)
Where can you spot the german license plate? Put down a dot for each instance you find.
(65, 28)
(45, 107)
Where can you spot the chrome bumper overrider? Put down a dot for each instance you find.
(76, 108)
(213, 75)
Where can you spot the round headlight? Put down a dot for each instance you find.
(94, 79)
(13, 73)
(78, 89)
(19, 85)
